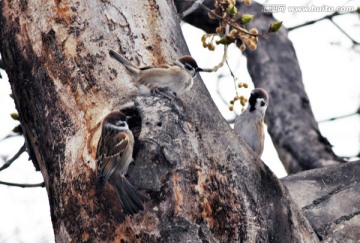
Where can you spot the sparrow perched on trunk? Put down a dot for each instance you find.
(113, 156)
(249, 125)
(178, 77)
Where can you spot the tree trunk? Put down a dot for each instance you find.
(203, 184)
(274, 66)
(329, 197)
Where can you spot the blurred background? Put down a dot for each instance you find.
(329, 61)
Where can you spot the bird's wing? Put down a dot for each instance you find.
(109, 156)
(159, 66)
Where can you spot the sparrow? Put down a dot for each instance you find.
(178, 77)
(249, 125)
(113, 156)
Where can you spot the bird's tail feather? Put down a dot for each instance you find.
(129, 66)
(131, 200)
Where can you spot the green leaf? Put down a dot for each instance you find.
(232, 10)
(275, 26)
(17, 129)
(15, 116)
(246, 18)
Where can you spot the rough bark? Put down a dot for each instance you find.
(274, 66)
(203, 183)
(329, 197)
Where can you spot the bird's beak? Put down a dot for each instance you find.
(199, 69)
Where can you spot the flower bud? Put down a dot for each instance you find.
(275, 26)
(253, 46)
(246, 18)
(232, 10)
(203, 38)
(17, 129)
(233, 32)
(243, 102)
(254, 31)
(15, 116)
(211, 47)
(247, 2)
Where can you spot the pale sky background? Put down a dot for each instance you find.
(330, 68)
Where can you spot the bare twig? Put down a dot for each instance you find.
(42, 184)
(215, 68)
(229, 121)
(10, 136)
(234, 78)
(328, 17)
(17, 155)
(340, 117)
(346, 34)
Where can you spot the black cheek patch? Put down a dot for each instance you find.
(252, 102)
(262, 103)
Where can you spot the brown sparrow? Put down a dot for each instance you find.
(178, 77)
(113, 156)
(249, 125)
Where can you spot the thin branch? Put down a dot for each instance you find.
(10, 136)
(223, 60)
(346, 34)
(328, 17)
(229, 121)
(234, 78)
(42, 184)
(17, 155)
(340, 117)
